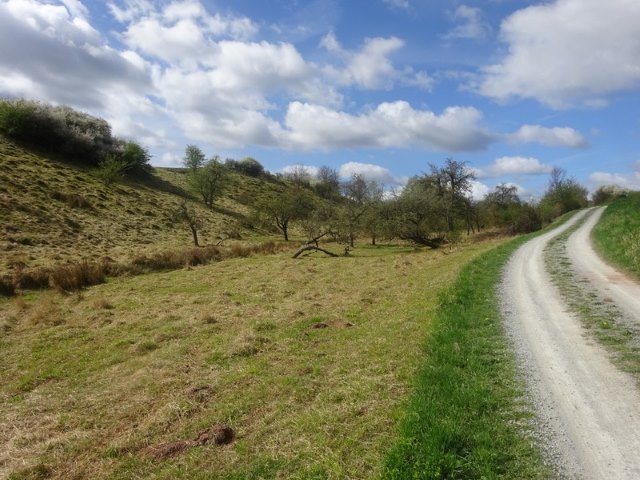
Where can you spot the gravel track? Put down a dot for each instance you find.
(612, 284)
(589, 411)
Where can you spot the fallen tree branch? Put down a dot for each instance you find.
(306, 248)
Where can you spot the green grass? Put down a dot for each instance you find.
(617, 234)
(468, 417)
(89, 381)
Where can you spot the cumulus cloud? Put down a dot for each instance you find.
(394, 124)
(479, 190)
(61, 57)
(370, 66)
(310, 170)
(630, 180)
(370, 172)
(512, 166)
(182, 32)
(567, 52)
(470, 24)
(550, 137)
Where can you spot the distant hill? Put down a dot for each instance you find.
(55, 212)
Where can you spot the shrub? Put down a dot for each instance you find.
(35, 279)
(607, 193)
(7, 285)
(56, 129)
(172, 259)
(527, 220)
(68, 278)
(247, 166)
(110, 169)
(134, 158)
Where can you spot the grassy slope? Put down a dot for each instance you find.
(617, 234)
(123, 221)
(468, 417)
(89, 381)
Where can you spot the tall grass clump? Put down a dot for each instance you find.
(69, 278)
(7, 286)
(467, 415)
(617, 234)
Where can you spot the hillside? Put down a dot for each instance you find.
(54, 212)
(617, 235)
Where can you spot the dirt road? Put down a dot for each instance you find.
(589, 410)
(613, 285)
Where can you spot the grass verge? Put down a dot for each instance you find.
(617, 234)
(468, 417)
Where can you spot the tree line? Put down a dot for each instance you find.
(433, 209)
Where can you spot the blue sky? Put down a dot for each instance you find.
(378, 87)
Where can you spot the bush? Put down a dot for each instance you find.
(7, 286)
(607, 193)
(247, 166)
(177, 259)
(33, 279)
(110, 170)
(69, 278)
(56, 129)
(527, 220)
(134, 158)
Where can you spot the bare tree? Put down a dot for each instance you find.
(185, 214)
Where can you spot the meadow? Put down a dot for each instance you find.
(308, 361)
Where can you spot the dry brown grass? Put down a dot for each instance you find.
(230, 342)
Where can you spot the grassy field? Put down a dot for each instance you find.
(617, 234)
(93, 384)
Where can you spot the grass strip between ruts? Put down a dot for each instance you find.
(469, 417)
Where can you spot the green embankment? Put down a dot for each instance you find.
(468, 417)
(617, 234)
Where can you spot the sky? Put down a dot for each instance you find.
(384, 88)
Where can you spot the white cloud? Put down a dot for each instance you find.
(629, 181)
(513, 166)
(568, 52)
(551, 137)
(130, 9)
(50, 52)
(471, 24)
(310, 170)
(394, 124)
(370, 172)
(370, 67)
(479, 190)
(181, 32)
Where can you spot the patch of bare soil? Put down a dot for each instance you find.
(219, 434)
